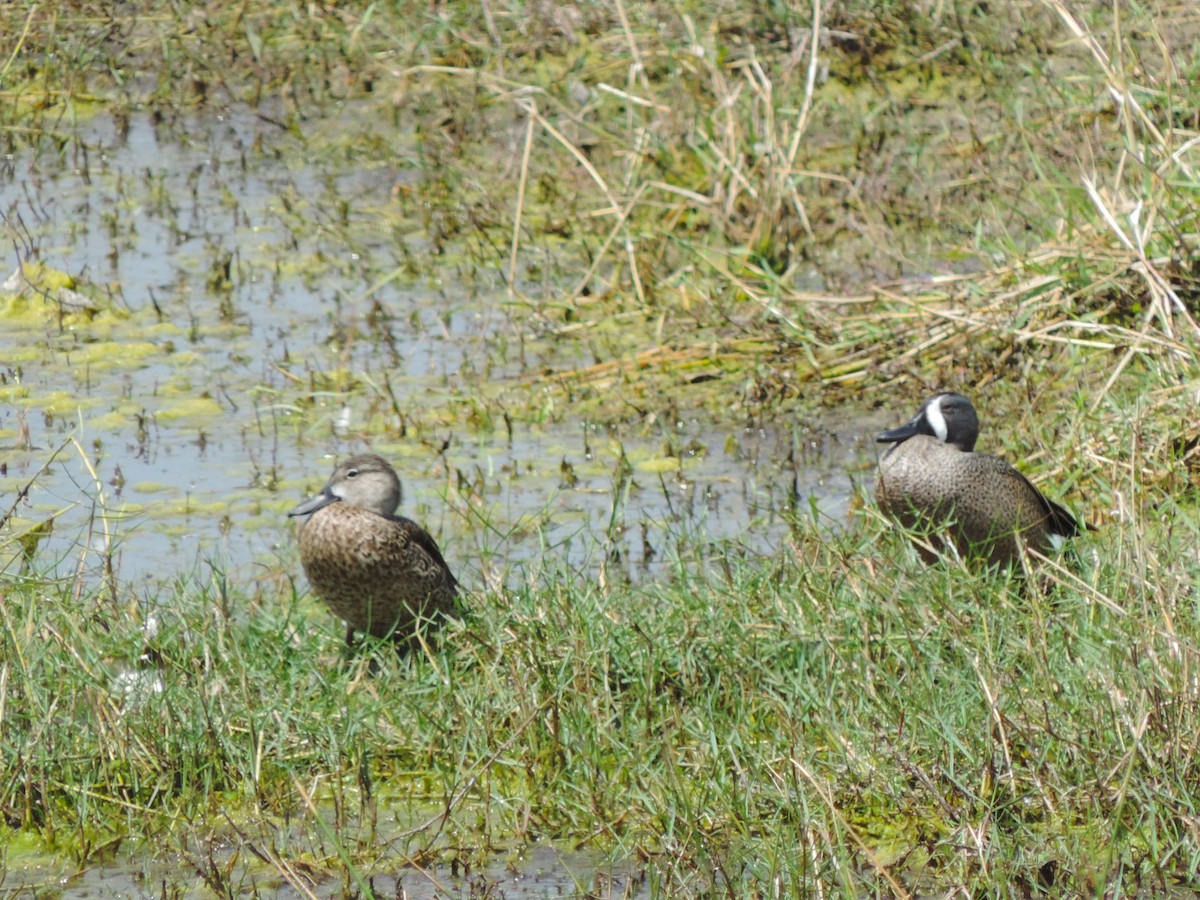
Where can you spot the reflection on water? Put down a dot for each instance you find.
(535, 872)
(582, 494)
(539, 872)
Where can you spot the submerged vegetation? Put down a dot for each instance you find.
(756, 211)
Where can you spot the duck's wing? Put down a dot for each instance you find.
(418, 536)
(1061, 520)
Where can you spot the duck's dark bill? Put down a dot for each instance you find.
(896, 435)
(320, 501)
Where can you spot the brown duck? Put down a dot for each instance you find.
(931, 478)
(380, 572)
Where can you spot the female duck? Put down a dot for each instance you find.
(380, 572)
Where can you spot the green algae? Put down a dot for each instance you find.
(153, 487)
(113, 420)
(658, 465)
(38, 295)
(59, 403)
(189, 409)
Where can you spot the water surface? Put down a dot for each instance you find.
(240, 344)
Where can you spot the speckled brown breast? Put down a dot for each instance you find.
(382, 575)
(981, 501)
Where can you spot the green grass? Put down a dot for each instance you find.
(716, 231)
(836, 715)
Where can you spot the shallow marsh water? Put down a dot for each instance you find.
(223, 340)
(234, 341)
(539, 871)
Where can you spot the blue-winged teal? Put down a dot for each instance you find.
(380, 572)
(932, 477)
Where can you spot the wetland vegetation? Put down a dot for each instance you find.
(246, 237)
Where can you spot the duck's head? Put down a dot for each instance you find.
(950, 418)
(366, 481)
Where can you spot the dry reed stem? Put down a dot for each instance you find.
(1119, 88)
(658, 358)
(920, 331)
(519, 207)
(20, 43)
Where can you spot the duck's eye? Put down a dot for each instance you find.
(352, 473)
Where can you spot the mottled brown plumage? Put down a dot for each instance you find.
(931, 480)
(380, 572)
